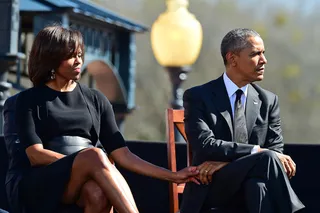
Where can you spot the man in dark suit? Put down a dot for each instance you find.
(233, 127)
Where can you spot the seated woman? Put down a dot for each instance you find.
(59, 122)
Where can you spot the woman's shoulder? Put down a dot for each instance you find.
(93, 93)
(27, 94)
(26, 98)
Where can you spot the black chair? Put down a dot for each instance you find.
(3, 171)
(16, 156)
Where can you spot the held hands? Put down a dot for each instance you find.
(207, 169)
(204, 171)
(187, 174)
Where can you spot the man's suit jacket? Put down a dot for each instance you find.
(209, 129)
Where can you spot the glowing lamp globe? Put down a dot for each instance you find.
(176, 36)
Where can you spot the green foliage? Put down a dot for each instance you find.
(292, 71)
(261, 29)
(297, 36)
(295, 96)
(281, 19)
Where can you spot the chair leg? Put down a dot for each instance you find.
(174, 199)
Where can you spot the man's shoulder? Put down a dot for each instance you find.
(264, 93)
(199, 89)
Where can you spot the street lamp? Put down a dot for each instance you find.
(176, 39)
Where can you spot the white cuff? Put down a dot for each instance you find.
(255, 149)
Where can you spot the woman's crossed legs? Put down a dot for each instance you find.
(96, 185)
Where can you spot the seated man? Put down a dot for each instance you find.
(234, 130)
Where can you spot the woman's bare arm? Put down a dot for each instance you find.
(38, 156)
(126, 159)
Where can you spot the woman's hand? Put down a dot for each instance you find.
(207, 169)
(187, 174)
(38, 156)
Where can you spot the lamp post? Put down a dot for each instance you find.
(176, 39)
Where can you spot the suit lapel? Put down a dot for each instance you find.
(222, 102)
(253, 104)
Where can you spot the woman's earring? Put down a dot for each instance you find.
(53, 75)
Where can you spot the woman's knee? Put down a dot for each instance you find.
(94, 157)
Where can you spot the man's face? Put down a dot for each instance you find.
(249, 62)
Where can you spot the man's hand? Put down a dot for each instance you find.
(187, 174)
(288, 164)
(207, 169)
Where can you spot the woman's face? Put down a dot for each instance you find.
(70, 69)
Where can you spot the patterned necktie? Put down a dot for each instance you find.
(240, 128)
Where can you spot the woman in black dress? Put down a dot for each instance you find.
(59, 122)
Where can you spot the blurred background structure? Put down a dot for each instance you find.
(289, 28)
(109, 39)
(291, 33)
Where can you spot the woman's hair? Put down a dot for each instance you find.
(51, 46)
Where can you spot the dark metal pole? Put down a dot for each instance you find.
(177, 76)
(9, 34)
(4, 88)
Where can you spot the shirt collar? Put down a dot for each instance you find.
(232, 87)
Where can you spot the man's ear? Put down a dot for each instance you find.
(231, 59)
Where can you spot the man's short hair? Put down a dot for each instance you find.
(235, 41)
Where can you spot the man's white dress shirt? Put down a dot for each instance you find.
(231, 90)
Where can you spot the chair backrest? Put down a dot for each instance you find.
(175, 119)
